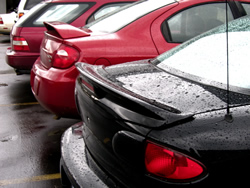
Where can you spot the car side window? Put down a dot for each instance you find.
(246, 6)
(194, 21)
(104, 10)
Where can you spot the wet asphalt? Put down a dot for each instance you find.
(29, 135)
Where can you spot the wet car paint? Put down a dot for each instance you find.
(29, 136)
(74, 160)
(114, 112)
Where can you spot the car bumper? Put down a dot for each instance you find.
(5, 29)
(54, 89)
(75, 159)
(21, 60)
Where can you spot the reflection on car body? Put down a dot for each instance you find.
(164, 123)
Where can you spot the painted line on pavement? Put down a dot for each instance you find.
(30, 179)
(19, 104)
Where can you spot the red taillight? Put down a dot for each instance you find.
(65, 57)
(169, 164)
(1, 20)
(20, 44)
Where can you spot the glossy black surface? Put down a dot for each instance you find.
(126, 105)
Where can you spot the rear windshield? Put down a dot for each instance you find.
(64, 12)
(206, 56)
(60, 12)
(31, 3)
(127, 14)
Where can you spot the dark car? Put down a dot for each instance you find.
(181, 119)
(141, 30)
(28, 32)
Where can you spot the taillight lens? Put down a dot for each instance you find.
(166, 163)
(20, 14)
(1, 20)
(20, 44)
(65, 57)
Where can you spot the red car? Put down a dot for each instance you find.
(141, 30)
(27, 33)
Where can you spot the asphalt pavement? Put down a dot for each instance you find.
(29, 135)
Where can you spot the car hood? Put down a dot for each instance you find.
(178, 97)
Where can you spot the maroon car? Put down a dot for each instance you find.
(27, 33)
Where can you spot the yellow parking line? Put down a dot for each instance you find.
(19, 104)
(30, 179)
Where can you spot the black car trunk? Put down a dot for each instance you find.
(221, 145)
(115, 144)
(117, 124)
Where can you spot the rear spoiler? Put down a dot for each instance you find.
(65, 30)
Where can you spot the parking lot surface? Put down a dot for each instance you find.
(29, 135)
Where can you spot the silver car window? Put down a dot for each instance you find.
(195, 20)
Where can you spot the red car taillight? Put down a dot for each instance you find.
(20, 44)
(166, 163)
(65, 57)
(1, 20)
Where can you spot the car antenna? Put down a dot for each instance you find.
(228, 116)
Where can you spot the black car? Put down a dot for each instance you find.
(181, 119)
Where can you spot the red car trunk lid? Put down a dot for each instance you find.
(56, 33)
